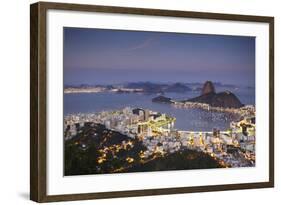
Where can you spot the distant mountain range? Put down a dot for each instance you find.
(149, 87)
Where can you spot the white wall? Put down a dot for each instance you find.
(14, 113)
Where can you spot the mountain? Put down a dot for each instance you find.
(149, 87)
(182, 160)
(224, 99)
(177, 88)
(208, 88)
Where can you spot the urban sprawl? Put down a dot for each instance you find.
(234, 147)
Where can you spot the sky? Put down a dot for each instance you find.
(104, 56)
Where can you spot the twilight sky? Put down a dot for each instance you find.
(99, 56)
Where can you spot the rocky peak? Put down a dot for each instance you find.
(224, 99)
(208, 87)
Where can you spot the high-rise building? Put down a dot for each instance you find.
(140, 129)
(146, 115)
(149, 131)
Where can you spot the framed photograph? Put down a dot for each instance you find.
(135, 102)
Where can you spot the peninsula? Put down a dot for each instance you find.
(209, 96)
(210, 100)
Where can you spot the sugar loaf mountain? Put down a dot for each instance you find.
(209, 96)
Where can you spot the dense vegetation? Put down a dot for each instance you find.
(183, 160)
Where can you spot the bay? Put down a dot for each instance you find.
(186, 119)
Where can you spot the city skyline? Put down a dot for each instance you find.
(99, 56)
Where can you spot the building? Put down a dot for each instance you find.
(146, 115)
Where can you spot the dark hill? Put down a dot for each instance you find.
(183, 160)
(223, 99)
(161, 99)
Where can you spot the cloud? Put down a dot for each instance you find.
(141, 45)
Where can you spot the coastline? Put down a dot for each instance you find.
(243, 111)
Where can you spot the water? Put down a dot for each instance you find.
(186, 119)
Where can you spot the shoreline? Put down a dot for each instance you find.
(243, 111)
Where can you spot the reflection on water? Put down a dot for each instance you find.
(187, 119)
